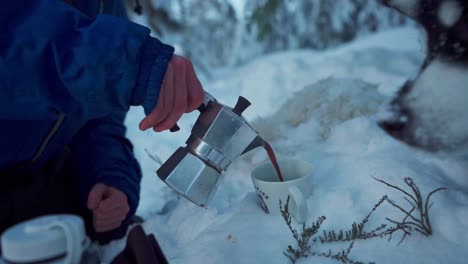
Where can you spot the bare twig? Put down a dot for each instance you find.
(304, 248)
(357, 230)
(420, 222)
(417, 218)
(153, 157)
(396, 187)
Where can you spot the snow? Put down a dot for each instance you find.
(452, 130)
(345, 10)
(450, 12)
(320, 107)
(409, 7)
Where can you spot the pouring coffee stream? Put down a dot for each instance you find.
(219, 136)
(274, 161)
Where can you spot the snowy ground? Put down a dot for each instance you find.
(320, 107)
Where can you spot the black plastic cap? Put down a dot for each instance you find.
(241, 105)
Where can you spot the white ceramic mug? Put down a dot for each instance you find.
(296, 174)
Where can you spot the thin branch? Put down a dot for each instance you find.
(403, 210)
(411, 203)
(153, 157)
(427, 207)
(396, 187)
(421, 224)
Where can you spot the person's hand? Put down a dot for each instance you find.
(181, 92)
(109, 206)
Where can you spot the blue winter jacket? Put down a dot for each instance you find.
(68, 75)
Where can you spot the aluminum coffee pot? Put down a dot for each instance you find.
(219, 136)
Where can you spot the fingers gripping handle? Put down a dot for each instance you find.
(201, 108)
(298, 205)
(176, 127)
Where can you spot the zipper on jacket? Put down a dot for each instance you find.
(101, 6)
(70, 2)
(47, 139)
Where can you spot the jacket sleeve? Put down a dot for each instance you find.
(102, 154)
(54, 59)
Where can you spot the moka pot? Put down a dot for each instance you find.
(219, 136)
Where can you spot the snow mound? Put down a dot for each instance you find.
(385, 59)
(321, 106)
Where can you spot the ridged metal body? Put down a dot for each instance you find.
(219, 136)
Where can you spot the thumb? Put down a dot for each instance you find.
(96, 195)
(144, 124)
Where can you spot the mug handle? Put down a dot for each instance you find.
(73, 243)
(299, 209)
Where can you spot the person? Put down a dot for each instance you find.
(69, 72)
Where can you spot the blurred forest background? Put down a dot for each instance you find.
(216, 34)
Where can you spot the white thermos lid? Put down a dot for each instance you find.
(49, 238)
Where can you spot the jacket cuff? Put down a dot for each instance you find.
(154, 60)
(124, 184)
